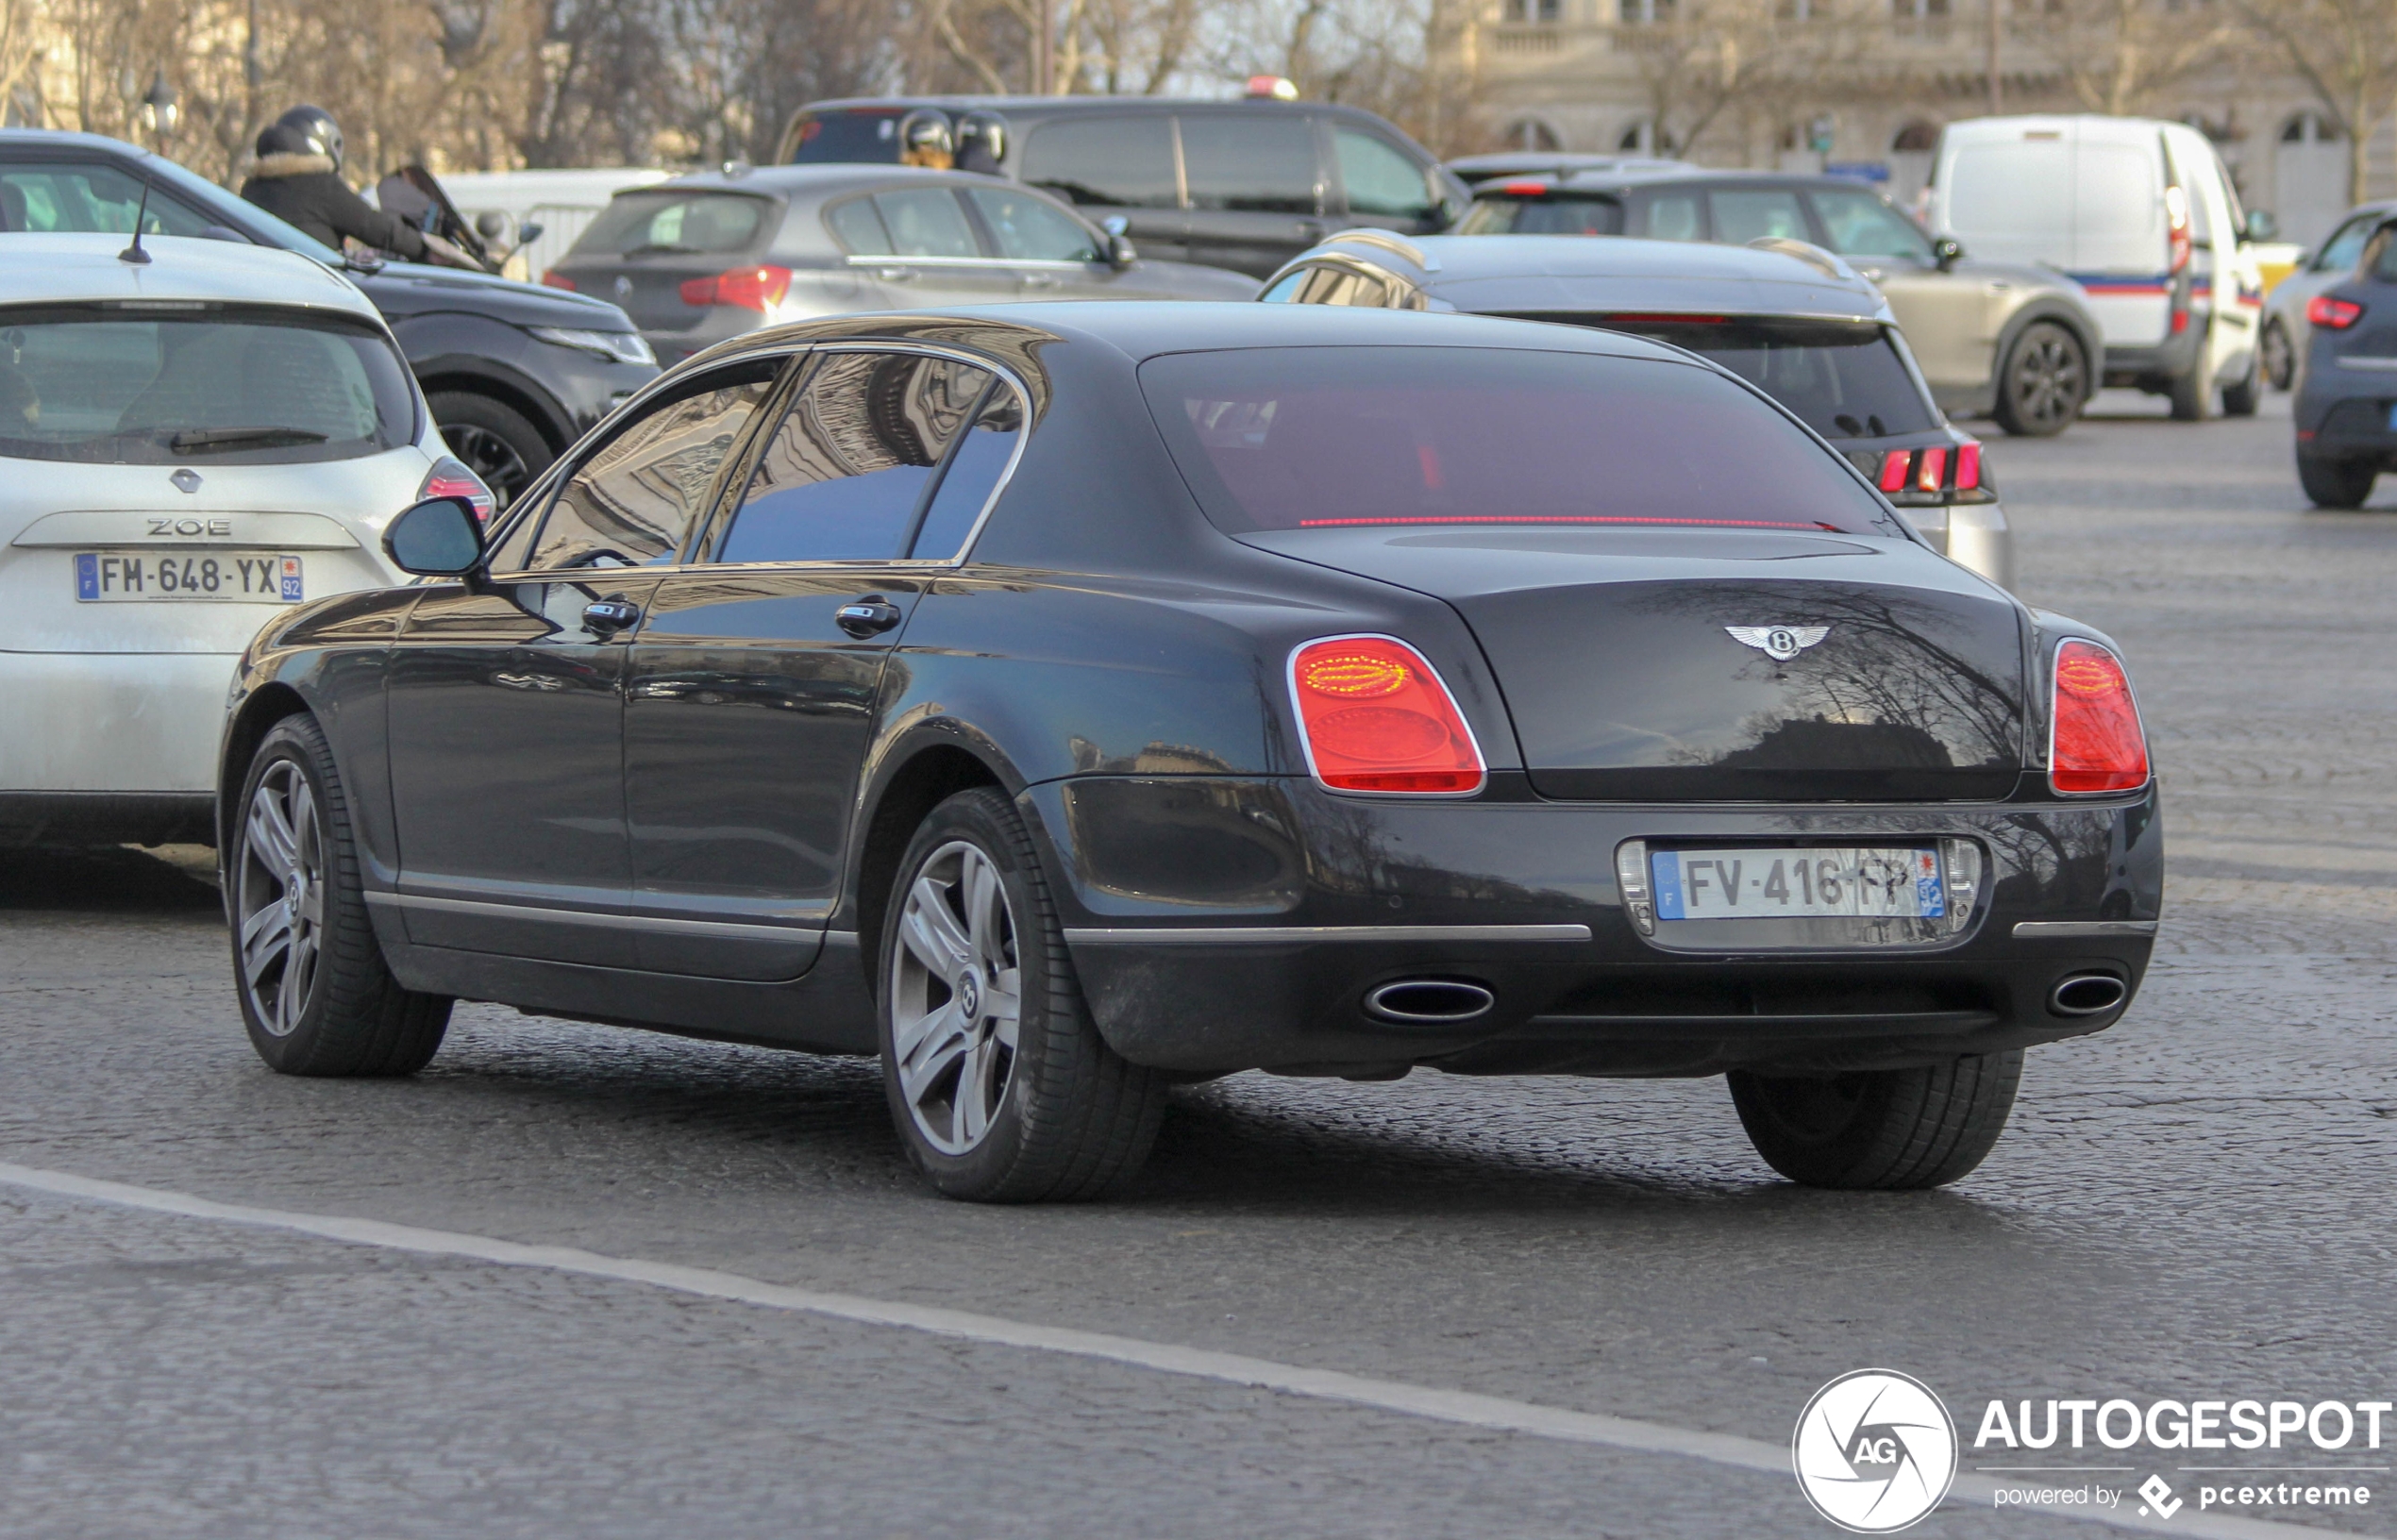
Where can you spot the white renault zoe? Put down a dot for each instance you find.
(192, 434)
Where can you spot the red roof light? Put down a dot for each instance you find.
(1524, 189)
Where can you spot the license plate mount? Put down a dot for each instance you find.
(235, 576)
(1912, 893)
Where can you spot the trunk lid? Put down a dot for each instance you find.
(652, 241)
(1684, 665)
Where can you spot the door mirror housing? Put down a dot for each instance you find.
(2260, 225)
(438, 538)
(1947, 251)
(1121, 253)
(529, 232)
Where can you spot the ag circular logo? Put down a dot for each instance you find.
(1874, 1452)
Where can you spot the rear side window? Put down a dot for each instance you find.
(220, 385)
(1030, 229)
(980, 458)
(2340, 252)
(1338, 437)
(71, 199)
(1860, 225)
(1844, 382)
(859, 228)
(1379, 178)
(676, 223)
(1549, 215)
(1672, 216)
(1764, 214)
(1110, 162)
(1263, 165)
(634, 502)
(1339, 286)
(846, 471)
(871, 135)
(926, 222)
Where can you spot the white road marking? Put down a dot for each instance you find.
(1465, 1408)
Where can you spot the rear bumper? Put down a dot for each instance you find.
(1221, 925)
(139, 724)
(107, 818)
(2350, 420)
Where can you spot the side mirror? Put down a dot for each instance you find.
(2260, 225)
(1121, 252)
(529, 232)
(491, 223)
(438, 538)
(1947, 251)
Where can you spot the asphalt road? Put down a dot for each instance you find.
(2194, 1204)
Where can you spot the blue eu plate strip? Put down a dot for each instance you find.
(1665, 867)
(87, 577)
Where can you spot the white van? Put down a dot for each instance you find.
(2144, 216)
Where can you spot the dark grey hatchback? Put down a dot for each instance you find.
(2346, 409)
(1065, 701)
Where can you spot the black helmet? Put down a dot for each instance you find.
(925, 129)
(989, 128)
(275, 139)
(316, 126)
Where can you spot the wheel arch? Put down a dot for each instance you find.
(531, 404)
(917, 775)
(2070, 317)
(269, 704)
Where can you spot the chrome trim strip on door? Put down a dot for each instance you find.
(658, 923)
(1206, 935)
(2069, 929)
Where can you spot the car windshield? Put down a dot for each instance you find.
(865, 134)
(236, 213)
(687, 221)
(1293, 438)
(1551, 214)
(107, 385)
(1844, 379)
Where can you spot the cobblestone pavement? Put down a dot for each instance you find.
(2194, 1204)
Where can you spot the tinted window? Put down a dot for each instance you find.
(1258, 165)
(1549, 215)
(2340, 252)
(1674, 216)
(1116, 162)
(869, 135)
(1844, 382)
(859, 228)
(844, 473)
(636, 224)
(88, 198)
(1380, 179)
(1285, 288)
(1030, 230)
(1742, 217)
(1313, 438)
(635, 502)
(239, 386)
(926, 222)
(974, 469)
(1860, 225)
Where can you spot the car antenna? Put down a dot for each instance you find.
(134, 253)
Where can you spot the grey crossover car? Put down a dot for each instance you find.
(2015, 343)
(2287, 332)
(698, 260)
(1791, 319)
(2347, 386)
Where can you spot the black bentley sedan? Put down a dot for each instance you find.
(1063, 701)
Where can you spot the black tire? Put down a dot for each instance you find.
(2241, 399)
(327, 1004)
(1068, 1120)
(497, 442)
(2044, 382)
(1886, 1130)
(2191, 394)
(2336, 483)
(2276, 358)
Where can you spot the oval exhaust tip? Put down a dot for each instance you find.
(2087, 995)
(1422, 1001)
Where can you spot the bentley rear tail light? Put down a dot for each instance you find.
(1374, 717)
(2333, 314)
(452, 478)
(759, 288)
(2095, 742)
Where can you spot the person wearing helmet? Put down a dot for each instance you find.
(982, 142)
(297, 179)
(925, 141)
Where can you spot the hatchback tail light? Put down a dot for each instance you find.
(2176, 210)
(2333, 314)
(1968, 466)
(451, 478)
(2095, 742)
(1893, 469)
(1374, 717)
(1936, 474)
(759, 288)
(556, 280)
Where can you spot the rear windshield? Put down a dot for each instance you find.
(686, 222)
(1331, 437)
(220, 385)
(1549, 215)
(1845, 382)
(869, 134)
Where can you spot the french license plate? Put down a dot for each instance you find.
(100, 576)
(1875, 881)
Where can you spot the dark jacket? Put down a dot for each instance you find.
(304, 191)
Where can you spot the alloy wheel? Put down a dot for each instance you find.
(956, 997)
(282, 892)
(2047, 384)
(490, 457)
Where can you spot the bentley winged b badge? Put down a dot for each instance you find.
(1779, 643)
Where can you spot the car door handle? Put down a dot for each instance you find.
(869, 616)
(895, 273)
(1040, 280)
(606, 617)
